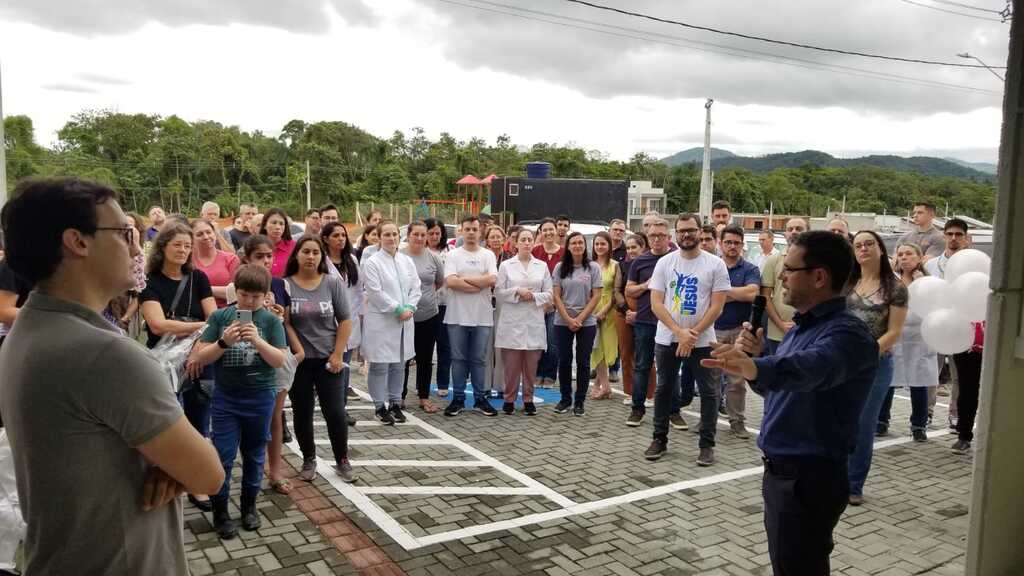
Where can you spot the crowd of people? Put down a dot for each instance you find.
(506, 311)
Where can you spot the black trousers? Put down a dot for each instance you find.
(803, 500)
(968, 373)
(312, 377)
(424, 337)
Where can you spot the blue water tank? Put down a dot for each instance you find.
(538, 170)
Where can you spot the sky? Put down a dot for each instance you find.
(552, 71)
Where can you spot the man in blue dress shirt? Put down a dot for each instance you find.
(814, 387)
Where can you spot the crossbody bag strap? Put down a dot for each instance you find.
(177, 295)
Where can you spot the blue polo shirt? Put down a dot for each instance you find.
(816, 384)
(735, 313)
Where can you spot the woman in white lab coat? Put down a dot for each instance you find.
(392, 287)
(524, 288)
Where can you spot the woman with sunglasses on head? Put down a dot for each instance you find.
(218, 265)
(258, 249)
(392, 294)
(880, 300)
(276, 226)
(321, 318)
(437, 243)
(577, 289)
(178, 300)
(343, 263)
(426, 319)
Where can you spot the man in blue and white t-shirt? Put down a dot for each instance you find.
(688, 290)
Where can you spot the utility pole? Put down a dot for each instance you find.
(3, 148)
(309, 191)
(706, 184)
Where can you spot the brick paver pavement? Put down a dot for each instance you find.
(557, 495)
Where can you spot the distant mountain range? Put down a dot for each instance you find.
(924, 164)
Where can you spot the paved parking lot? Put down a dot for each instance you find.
(556, 494)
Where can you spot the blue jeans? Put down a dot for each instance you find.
(444, 352)
(469, 350)
(548, 365)
(859, 463)
(242, 418)
(584, 338)
(195, 399)
(643, 360)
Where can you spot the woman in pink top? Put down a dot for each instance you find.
(218, 265)
(277, 227)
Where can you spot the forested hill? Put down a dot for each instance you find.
(926, 165)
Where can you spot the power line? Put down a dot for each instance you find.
(769, 40)
(681, 42)
(947, 11)
(1004, 12)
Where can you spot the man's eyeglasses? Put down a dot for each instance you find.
(687, 231)
(732, 242)
(125, 231)
(788, 270)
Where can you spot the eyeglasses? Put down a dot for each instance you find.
(732, 242)
(657, 235)
(865, 244)
(787, 270)
(687, 231)
(126, 231)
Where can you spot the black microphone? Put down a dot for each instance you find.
(757, 313)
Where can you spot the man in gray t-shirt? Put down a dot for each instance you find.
(925, 235)
(101, 449)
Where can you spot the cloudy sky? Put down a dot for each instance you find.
(537, 70)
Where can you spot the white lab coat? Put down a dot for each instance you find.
(915, 363)
(390, 281)
(521, 324)
(356, 302)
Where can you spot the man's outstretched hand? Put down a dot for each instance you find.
(731, 358)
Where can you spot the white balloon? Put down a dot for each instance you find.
(970, 295)
(928, 294)
(947, 332)
(965, 261)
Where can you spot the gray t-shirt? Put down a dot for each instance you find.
(931, 241)
(431, 272)
(576, 290)
(77, 399)
(315, 314)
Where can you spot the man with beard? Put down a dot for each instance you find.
(688, 290)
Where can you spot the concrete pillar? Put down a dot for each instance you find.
(995, 542)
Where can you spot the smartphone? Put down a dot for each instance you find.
(243, 316)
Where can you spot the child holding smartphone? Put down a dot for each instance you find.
(247, 343)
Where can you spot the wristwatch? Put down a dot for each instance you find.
(223, 345)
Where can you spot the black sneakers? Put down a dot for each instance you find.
(562, 407)
(636, 416)
(508, 408)
(485, 408)
(656, 450)
(453, 409)
(529, 409)
(384, 416)
(919, 435)
(962, 447)
(706, 457)
(396, 414)
(578, 410)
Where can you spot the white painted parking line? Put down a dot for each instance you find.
(449, 490)
(422, 463)
(390, 442)
(586, 507)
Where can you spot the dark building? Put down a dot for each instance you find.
(536, 198)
